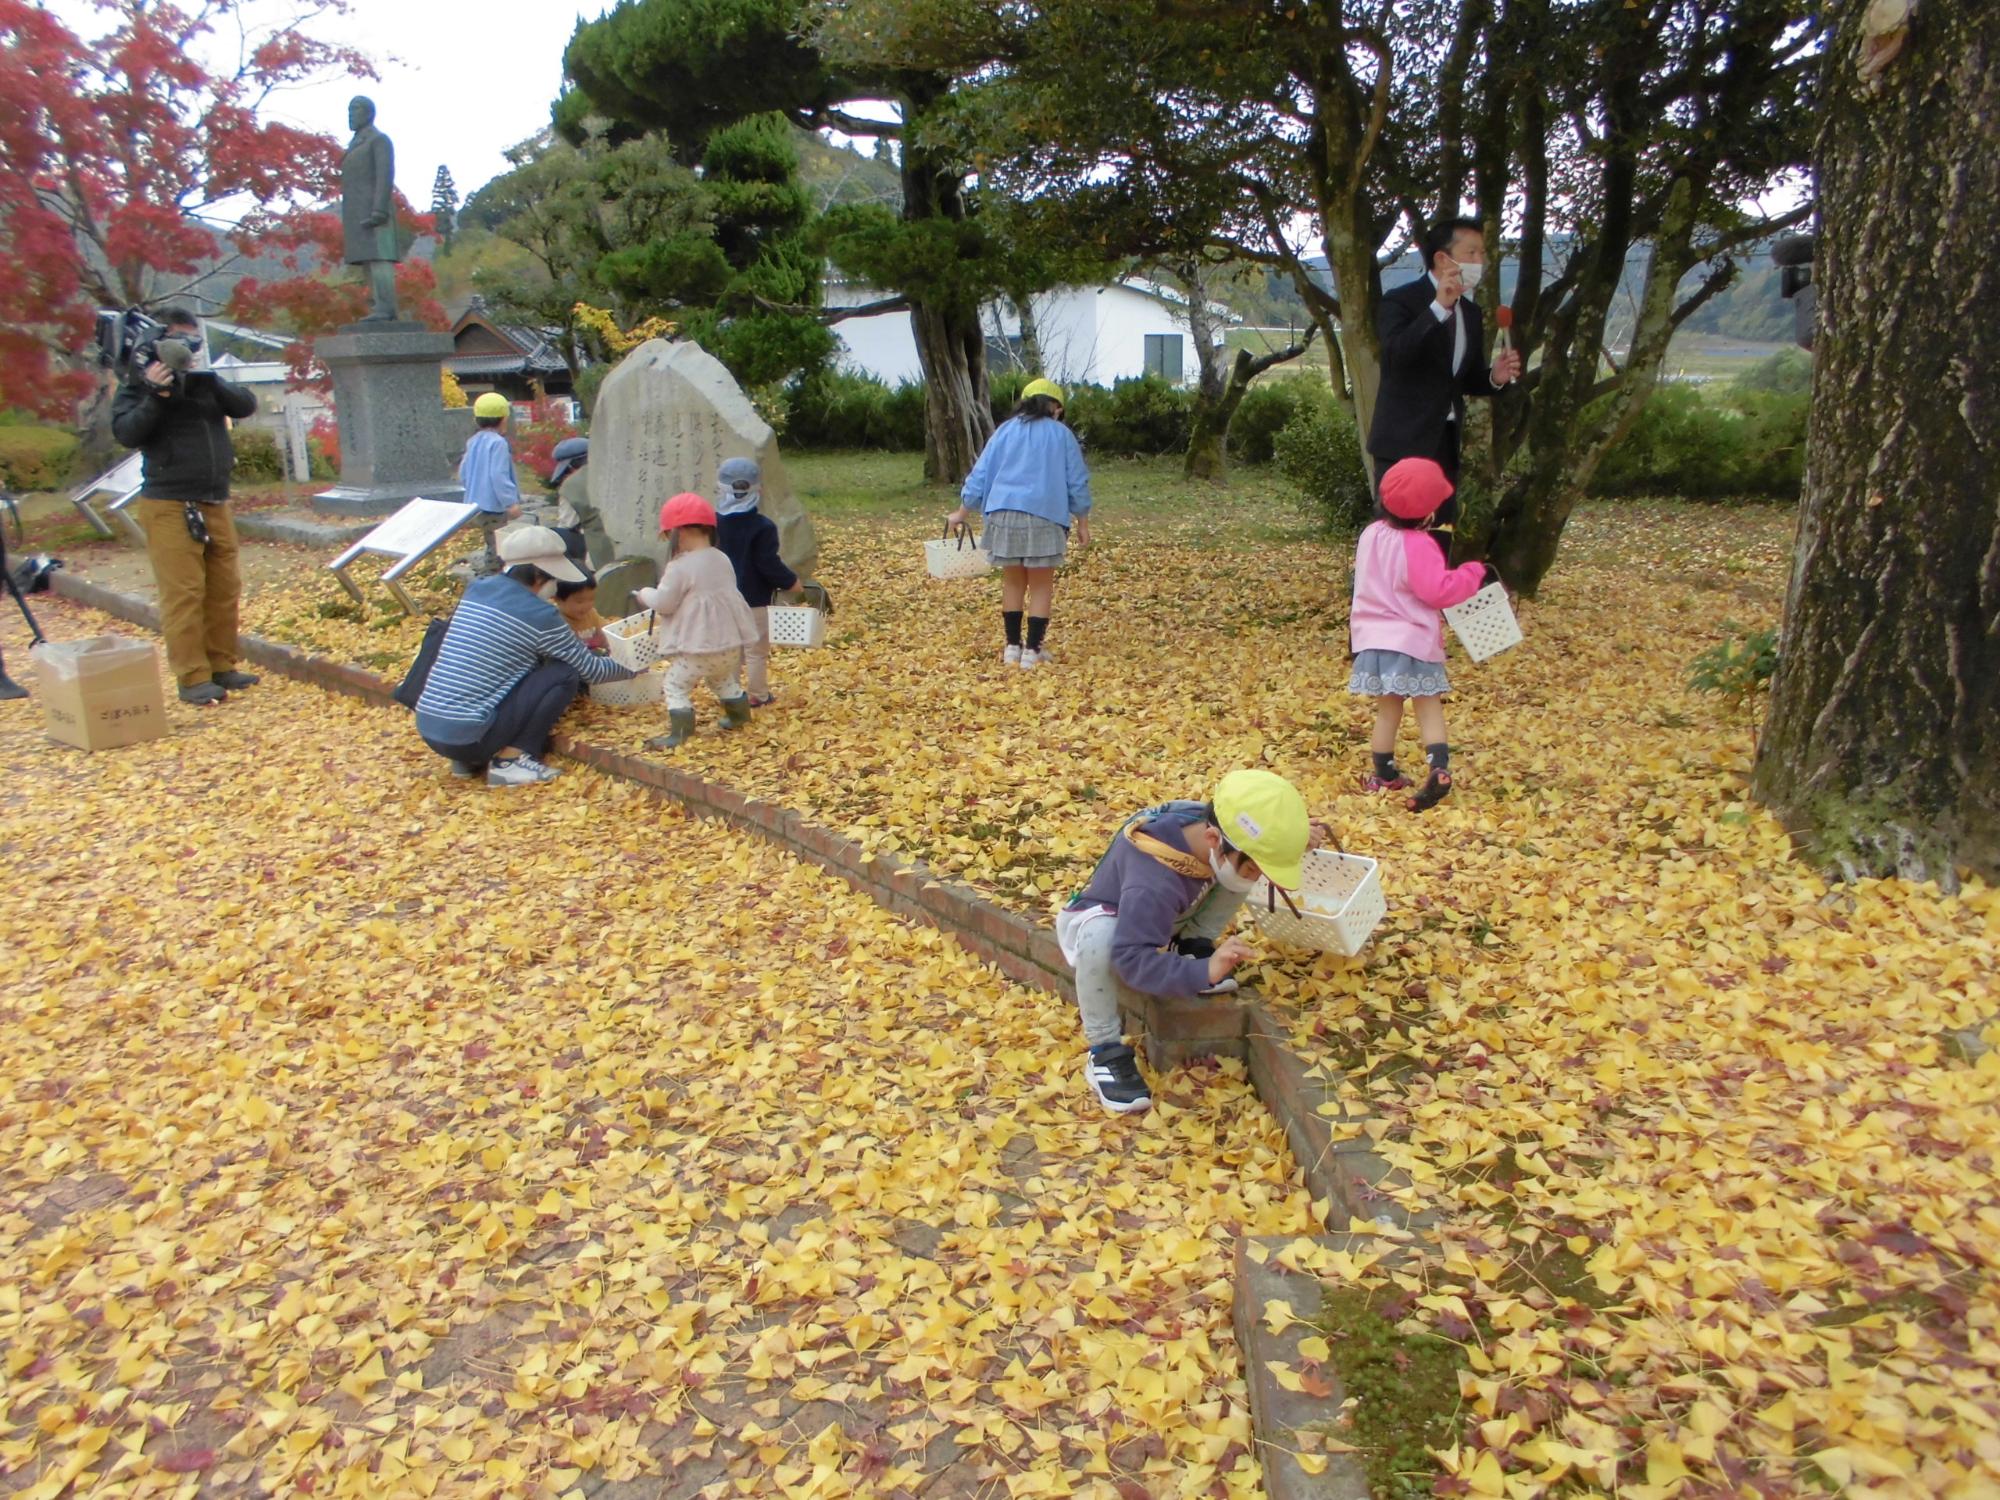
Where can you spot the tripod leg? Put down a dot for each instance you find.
(34, 630)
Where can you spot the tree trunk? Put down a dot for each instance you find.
(958, 415)
(1883, 733)
(1031, 336)
(951, 343)
(1208, 423)
(1208, 437)
(1208, 441)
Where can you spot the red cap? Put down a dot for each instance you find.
(1414, 488)
(686, 510)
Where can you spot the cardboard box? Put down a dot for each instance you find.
(101, 691)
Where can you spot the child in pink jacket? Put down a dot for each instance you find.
(1400, 583)
(703, 623)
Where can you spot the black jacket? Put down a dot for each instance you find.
(750, 541)
(182, 433)
(1418, 386)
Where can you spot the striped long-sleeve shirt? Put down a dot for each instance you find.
(500, 632)
(487, 472)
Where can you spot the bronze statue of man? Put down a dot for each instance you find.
(367, 207)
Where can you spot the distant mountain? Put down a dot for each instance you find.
(839, 175)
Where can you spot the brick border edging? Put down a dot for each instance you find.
(1346, 1174)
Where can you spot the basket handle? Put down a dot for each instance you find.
(964, 534)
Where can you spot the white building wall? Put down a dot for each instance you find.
(1089, 335)
(882, 345)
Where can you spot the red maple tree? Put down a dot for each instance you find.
(317, 295)
(130, 167)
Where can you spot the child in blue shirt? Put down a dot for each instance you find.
(487, 473)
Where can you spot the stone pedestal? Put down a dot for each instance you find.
(398, 440)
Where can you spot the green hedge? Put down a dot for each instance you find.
(833, 409)
(259, 459)
(1319, 450)
(37, 458)
(1264, 413)
(1750, 442)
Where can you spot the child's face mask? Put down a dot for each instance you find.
(1227, 875)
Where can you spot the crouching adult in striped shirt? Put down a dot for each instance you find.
(508, 666)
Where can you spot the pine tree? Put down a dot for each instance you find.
(444, 207)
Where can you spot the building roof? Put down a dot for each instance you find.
(534, 350)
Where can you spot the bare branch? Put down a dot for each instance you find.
(828, 316)
(1258, 365)
(1378, 112)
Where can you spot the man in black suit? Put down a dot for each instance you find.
(1434, 355)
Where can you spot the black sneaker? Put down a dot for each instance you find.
(1116, 1080)
(203, 693)
(234, 680)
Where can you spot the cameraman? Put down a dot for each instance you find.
(177, 413)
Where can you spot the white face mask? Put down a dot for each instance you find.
(546, 589)
(1470, 272)
(1228, 876)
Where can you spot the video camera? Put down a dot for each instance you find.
(1793, 254)
(129, 341)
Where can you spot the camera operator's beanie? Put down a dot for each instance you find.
(1413, 488)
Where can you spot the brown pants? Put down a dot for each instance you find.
(199, 587)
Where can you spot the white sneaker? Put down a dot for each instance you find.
(520, 770)
(1011, 657)
(1033, 658)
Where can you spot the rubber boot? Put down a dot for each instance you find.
(680, 727)
(735, 712)
(9, 688)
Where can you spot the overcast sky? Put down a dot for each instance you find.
(460, 82)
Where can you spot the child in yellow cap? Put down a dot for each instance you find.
(1032, 484)
(1150, 922)
(487, 473)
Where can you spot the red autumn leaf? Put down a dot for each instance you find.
(186, 1461)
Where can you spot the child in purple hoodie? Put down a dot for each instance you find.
(1152, 917)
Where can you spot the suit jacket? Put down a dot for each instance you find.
(1418, 384)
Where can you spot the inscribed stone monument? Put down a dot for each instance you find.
(665, 420)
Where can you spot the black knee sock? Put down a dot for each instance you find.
(1011, 618)
(1439, 755)
(1385, 764)
(1038, 629)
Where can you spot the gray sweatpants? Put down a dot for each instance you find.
(1102, 996)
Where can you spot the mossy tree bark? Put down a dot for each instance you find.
(1883, 732)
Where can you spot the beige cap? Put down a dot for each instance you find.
(542, 548)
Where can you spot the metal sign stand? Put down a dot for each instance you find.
(123, 484)
(410, 535)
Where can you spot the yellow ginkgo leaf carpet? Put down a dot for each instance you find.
(364, 1132)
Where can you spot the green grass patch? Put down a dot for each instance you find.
(1259, 508)
(1403, 1389)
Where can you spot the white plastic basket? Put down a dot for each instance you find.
(633, 692)
(1339, 904)
(1485, 623)
(962, 556)
(797, 625)
(633, 642)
